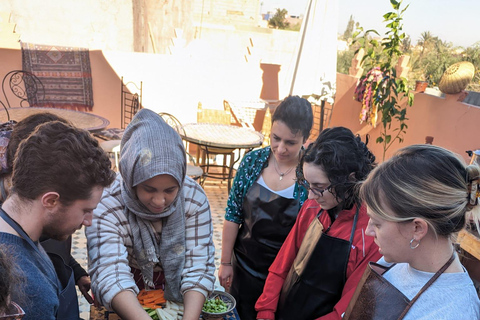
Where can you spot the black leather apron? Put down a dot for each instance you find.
(268, 218)
(68, 301)
(377, 299)
(316, 279)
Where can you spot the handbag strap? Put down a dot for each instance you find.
(427, 285)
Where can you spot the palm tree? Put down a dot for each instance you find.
(426, 39)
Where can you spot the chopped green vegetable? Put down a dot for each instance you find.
(215, 306)
(152, 313)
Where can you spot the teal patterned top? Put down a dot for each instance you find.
(248, 172)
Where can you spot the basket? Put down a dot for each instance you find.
(457, 77)
(225, 297)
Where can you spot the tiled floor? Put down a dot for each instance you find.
(217, 196)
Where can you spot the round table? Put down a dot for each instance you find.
(79, 119)
(223, 139)
(221, 136)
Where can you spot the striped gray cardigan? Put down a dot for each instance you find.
(110, 249)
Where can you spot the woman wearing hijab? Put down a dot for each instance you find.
(153, 227)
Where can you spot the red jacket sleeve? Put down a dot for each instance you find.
(266, 305)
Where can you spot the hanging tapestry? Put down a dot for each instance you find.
(65, 74)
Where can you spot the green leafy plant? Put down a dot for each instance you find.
(388, 90)
(278, 21)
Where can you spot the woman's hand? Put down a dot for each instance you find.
(225, 275)
(84, 284)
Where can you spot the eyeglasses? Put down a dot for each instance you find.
(316, 191)
(14, 312)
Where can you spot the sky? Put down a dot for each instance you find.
(454, 21)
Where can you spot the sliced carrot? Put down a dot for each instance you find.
(151, 299)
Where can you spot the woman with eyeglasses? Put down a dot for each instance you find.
(324, 256)
(263, 205)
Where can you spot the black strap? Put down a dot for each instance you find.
(355, 219)
(14, 224)
(427, 285)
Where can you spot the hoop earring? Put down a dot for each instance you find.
(415, 246)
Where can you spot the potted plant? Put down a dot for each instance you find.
(421, 85)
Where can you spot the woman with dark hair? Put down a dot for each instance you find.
(323, 258)
(153, 226)
(263, 205)
(8, 280)
(417, 201)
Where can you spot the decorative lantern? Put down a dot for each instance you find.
(457, 77)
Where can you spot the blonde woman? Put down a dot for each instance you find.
(416, 201)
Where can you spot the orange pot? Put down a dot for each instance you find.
(420, 86)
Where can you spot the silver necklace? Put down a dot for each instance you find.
(281, 174)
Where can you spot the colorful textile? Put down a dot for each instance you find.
(5, 133)
(65, 74)
(366, 87)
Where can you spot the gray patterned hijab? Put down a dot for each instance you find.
(149, 148)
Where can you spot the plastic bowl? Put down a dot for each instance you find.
(225, 297)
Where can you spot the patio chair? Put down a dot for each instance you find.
(193, 170)
(221, 117)
(25, 87)
(130, 104)
(241, 116)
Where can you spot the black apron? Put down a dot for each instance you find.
(68, 301)
(316, 279)
(377, 299)
(268, 218)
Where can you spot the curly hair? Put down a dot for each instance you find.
(428, 182)
(7, 279)
(340, 154)
(59, 157)
(296, 113)
(23, 129)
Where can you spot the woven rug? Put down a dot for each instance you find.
(65, 74)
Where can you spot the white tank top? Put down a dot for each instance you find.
(285, 193)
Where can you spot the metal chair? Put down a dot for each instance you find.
(131, 102)
(23, 85)
(205, 154)
(193, 170)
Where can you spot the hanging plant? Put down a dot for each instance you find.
(365, 93)
(380, 89)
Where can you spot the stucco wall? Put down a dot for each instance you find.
(95, 24)
(454, 125)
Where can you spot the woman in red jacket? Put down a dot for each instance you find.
(319, 265)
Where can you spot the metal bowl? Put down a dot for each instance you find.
(225, 297)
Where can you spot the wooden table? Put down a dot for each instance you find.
(215, 138)
(103, 314)
(79, 119)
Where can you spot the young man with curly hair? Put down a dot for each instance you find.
(59, 173)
